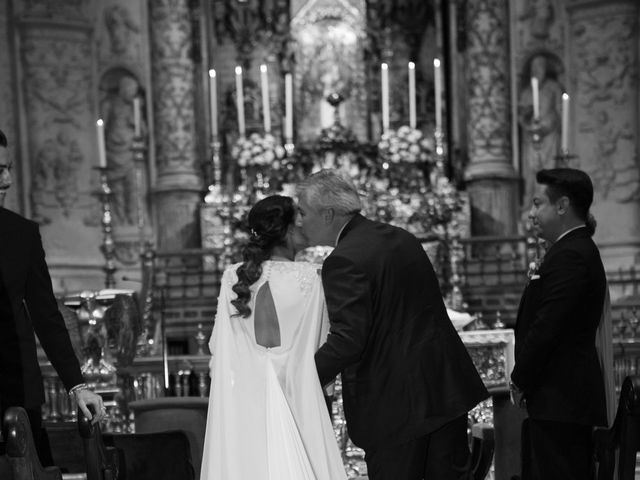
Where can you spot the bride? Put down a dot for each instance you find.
(267, 417)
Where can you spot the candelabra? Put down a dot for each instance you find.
(220, 203)
(108, 247)
(139, 148)
(456, 300)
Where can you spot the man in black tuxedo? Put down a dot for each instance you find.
(557, 374)
(27, 305)
(407, 379)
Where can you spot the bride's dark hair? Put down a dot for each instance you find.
(269, 220)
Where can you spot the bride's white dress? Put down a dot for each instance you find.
(267, 417)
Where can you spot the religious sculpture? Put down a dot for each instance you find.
(540, 137)
(117, 113)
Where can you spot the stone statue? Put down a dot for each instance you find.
(540, 141)
(117, 113)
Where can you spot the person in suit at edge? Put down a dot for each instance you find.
(407, 378)
(28, 305)
(557, 375)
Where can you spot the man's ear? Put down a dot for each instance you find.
(328, 215)
(563, 205)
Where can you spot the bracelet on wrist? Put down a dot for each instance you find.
(78, 388)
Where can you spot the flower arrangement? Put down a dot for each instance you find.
(258, 150)
(406, 145)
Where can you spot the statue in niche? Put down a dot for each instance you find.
(56, 172)
(536, 155)
(120, 27)
(117, 114)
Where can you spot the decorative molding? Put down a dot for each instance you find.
(604, 44)
(56, 60)
(250, 24)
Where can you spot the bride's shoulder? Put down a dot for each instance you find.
(230, 274)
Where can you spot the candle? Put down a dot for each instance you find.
(102, 151)
(266, 113)
(240, 101)
(412, 95)
(213, 103)
(384, 71)
(437, 78)
(288, 101)
(564, 140)
(137, 129)
(535, 98)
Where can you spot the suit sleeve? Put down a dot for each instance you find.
(347, 292)
(47, 320)
(565, 282)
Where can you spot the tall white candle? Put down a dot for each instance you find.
(137, 128)
(240, 101)
(266, 113)
(412, 95)
(384, 96)
(288, 102)
(535, 97)
(102, 151)
(564, 139)
(213, 102)
(437, 79)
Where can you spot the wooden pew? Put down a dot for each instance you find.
(622, 441)
(21, 454)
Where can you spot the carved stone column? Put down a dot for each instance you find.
(491, 179)
(178, 184)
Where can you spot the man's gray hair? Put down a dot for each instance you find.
(331, 189)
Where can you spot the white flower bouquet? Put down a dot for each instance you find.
(258, 150)
(405, 145)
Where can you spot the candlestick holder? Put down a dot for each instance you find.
(536, 137)
(139, 149)
(565, 159)
(219, 204)
(108, 247)
(456, 299)
(289, 147)
(438, 135)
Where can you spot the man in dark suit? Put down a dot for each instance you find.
(27, 305)
(407, 379)
(557, 374)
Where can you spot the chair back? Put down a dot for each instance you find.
(623, 436)
(21, 453)
(153, 456)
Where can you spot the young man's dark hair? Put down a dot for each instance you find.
(3, 139)
(573, 184)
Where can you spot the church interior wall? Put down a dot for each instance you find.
(65, 65)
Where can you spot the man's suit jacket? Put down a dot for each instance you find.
(405, 371)
(29, 306)
(557, 364)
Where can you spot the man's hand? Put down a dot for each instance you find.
(517, 396)
(86, 397)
